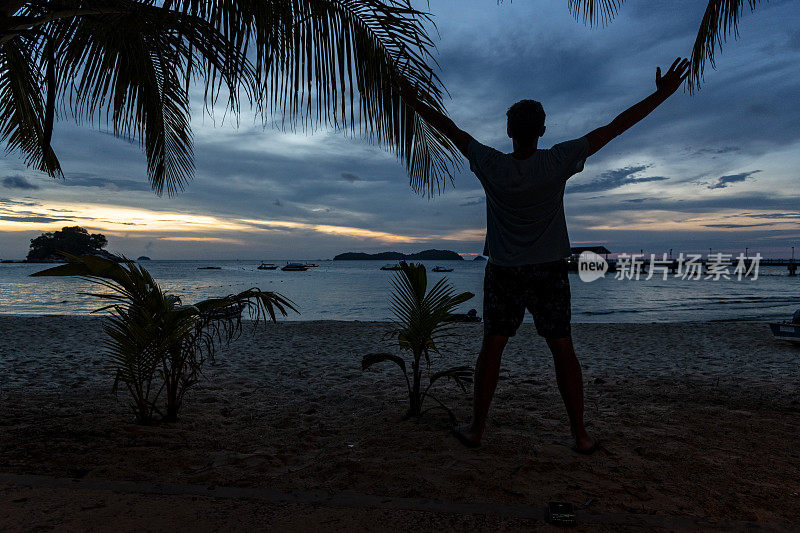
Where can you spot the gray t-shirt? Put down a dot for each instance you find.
(525, 221)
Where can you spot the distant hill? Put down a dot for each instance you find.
(429, 255)
(479, 258)
(74, 240)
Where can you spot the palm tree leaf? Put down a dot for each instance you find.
(23, 115)
(331, 63)
(374, 358)
(462, 375)
(720, 19)
(594, 12)
(314, 62)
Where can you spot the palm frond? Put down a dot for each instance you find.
(331, 62)
(462, 375)
(23, 115)
(131, 63)
(132, 68)
(720, 20)
(594, 12)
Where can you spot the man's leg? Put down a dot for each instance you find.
(487, 371)
(570, 384)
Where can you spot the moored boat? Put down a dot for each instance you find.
(390, 266)
(267, 266)
(438, 268)
(294, 267)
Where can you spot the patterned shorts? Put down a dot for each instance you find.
(542, 288)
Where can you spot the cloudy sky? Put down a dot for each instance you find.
(718, 169)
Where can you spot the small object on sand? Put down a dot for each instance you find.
(561, 514)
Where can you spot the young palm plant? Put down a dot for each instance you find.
(155, 343)
(423, 323)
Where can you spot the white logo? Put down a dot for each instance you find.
(591, 266)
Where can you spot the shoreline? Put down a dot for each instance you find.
(697, 420)
(97, 316)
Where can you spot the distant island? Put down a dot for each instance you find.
(430, 255)
(479, 258)
(75, 240)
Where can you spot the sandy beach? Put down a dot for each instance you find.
(699, 422)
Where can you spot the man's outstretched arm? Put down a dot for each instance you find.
(437, 120)
(665, 87)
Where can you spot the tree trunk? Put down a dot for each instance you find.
(172, 372)
(415, 409)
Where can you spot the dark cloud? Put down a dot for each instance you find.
(105, 183)
(733, 226)
(37, 220)
(639, 200)
(473, 200)
(19, 182)
(717, 151)
(724, 181)
(8, 201)
(349, 177)
(773, 215)
(614, 179)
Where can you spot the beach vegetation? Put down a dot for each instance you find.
(423, 326)
(156, 345)
(130, 66)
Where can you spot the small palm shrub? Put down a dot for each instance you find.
(423, 323)
(155, 344)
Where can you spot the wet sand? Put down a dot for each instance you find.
(697, 420)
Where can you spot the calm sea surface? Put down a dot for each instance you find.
(358, 290)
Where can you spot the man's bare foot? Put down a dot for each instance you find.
(467, 436)
(585, 444)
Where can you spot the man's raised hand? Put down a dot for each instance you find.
(674, 77)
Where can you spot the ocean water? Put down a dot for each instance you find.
(359, 290)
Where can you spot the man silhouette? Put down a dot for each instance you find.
(527, 241)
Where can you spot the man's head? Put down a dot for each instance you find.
(525, 121)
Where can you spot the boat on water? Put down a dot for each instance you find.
(788, 330)
(469, 316)
(390, 266)
(209, 268)
(438, 268)
(267, 266)
(311, 265)
(294, 267)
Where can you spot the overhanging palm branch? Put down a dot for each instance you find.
(130, 64)
(720, 20)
